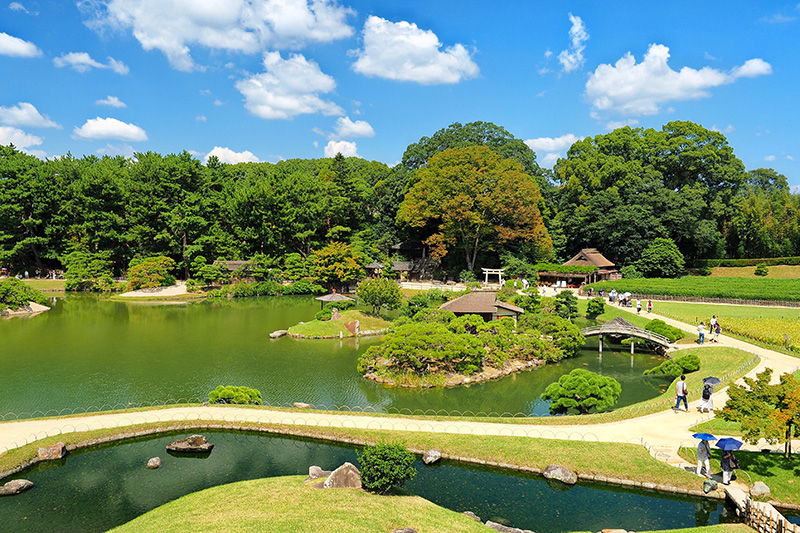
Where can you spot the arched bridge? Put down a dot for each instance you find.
(620, 327)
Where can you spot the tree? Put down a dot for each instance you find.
(386, 466)
(380, 292)
(583, 391)
(661, 259)
(15, 294)
(336, 264)
(151, 272)
(566, 305)
(769, 411)
(88, 272)
(595, 307)
(470, 199)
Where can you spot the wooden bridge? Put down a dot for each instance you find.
(620, 327)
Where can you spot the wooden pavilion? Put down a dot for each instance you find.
(482, 303)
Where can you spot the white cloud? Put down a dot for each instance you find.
(288, 88)
(572, 57)
(83, 62)
(795, 189)
(25, 114)
(16, 47)
(708, 56)
(248, 26)
(770, 158)
(630, 89)
(16, 6)
(109, 128)
(401, 51)
(218, 102)
(111, 101)
(778, 18)
(201, 118)
(18, 138)
(347, 129)
(549, 160)
(551, 147)
(226, 155)
(346, 148)
(728, 129)
(125, 150)
(614, 124)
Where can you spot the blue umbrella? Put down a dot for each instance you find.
(728, 444)
(704, 436)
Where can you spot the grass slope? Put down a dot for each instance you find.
(331, 328)
(710, 287)
(775, 272)
(288, 505)
(46, 284)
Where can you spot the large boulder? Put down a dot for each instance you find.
(302, 405)
(50, 453)
(709, 485)
(473, 516)
(560, 473)
(315, 472)
(759, 491)
(154, 462)
(405, 530)
(346, 476)
(431, 456)
(506, 529)
(193, 444)
(15, 487)
(278, 334)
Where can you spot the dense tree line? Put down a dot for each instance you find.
(470, 192)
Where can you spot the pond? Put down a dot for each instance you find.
(89, 353)
(99, 488)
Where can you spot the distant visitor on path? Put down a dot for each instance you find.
(717, 331)
(680, 394)
(706, 404)
(638, 306)
(701, 331)
(703, 456)
(649, 306)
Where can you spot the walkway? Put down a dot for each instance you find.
(173, 290)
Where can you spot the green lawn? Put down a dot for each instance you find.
(710, 287)
(766, 325)
(775, 272)
(287, 504)
(46, 284)
(332, 328)
(718, 426)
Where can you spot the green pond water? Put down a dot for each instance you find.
(97, 489)
(89, 353)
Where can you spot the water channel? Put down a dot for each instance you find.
(99, 488)
(89, 353)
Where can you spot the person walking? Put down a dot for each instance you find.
(706, 404)
(649, 306)
(638, 306)
(680, 394)
(717, 331)
(701, 331)
(703, 457)
(728, 463)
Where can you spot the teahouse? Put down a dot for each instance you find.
(590, 266)
(483, 304)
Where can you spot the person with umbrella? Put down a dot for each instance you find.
(706, 404)
(704, 453)
(729, 462)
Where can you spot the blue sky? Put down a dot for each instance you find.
(264, 80)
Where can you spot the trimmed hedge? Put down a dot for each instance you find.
(565, 269)
(769, 261)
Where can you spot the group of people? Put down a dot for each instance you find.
(728, 462)
(706, 404)
(713, 328)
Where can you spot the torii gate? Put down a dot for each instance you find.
(493, 271)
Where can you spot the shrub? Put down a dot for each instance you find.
(630, 272)
(661, 259)
(234, 394)
(473, 285)
(15, 294)
(566, 305)
(678, 366)
(88, 272)
(379, 293)
(595, 307)
(582, 390)
(662, 328)
(386, 466)
(151, 272)
(303, 286)
(761, 270)
(465, 276)
(324, 315)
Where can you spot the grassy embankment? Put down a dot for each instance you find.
(286, 504)
(46, 285)
(775, 272)
(332, 328)
(787, 290)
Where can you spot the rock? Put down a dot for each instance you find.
(560, 473)
(301, 405)
(50, 453)
(472, 515)
(709, 485)
(613, 531)
(315, 472)
(346, 476)
(506, 529)
(759, 490)
(335, 314)
(193, 444)
(278, 334)
(352, 327)
(15, 487)
(405, 530)
(431, 456)
(154, 462)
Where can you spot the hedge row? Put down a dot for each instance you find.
(711, 263)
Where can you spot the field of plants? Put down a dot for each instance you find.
(774, 272)
(787, 290)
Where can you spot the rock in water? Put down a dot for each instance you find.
(346, 476)
(50, 453)
(278, 334)
(431, 456)
(560, 473)
(193, 444)
(506, 529)
(154, 462)
(15, 487)
(759, 490)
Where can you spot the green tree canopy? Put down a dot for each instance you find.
(380, 292)
(661, 259)
(582, 391)
(15, 294)
(335, 264)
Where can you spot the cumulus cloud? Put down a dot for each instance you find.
(346, 148)
(25, 114)
(572, 57)
(288, 88)
(18, 138)
(728, 129)
(614, 124)
(401, 51)
(226, 155)
(111, 101)
(551, 147)
(770, 158)
(83, 62)
(125, 150)
(16, 47)
(16, 6)
(630, 89)
(347, 129)
(109, 128)
(248, 26)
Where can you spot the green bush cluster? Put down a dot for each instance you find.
(678, 366)
(565, 269)
(662, 328)
(235, 394)
(386, 466)
(243, 289)
(15, 294)
(595, 307)
(761, 270)
(772, 261)
(327, 310)
(582, 391)
(151, 272)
